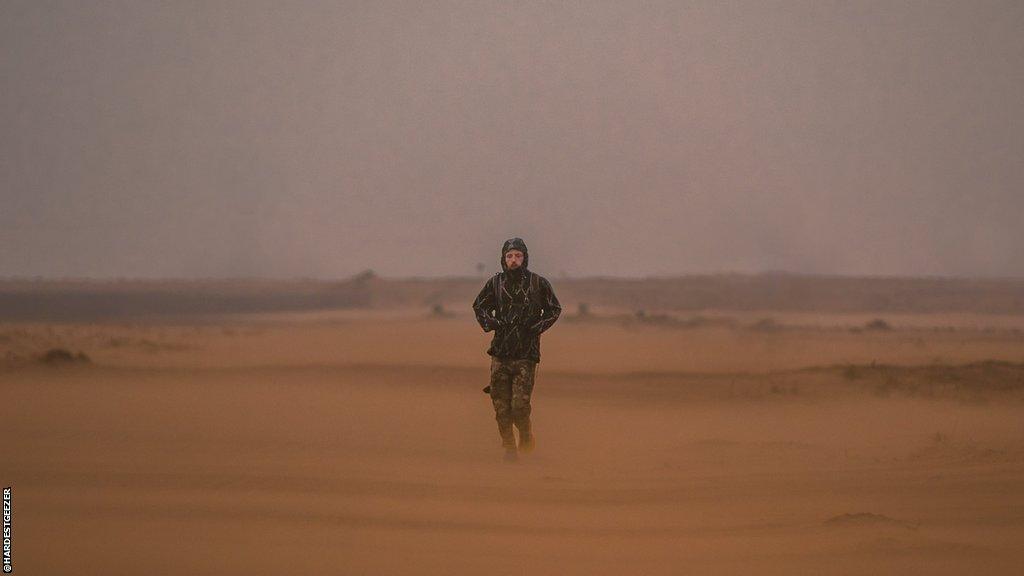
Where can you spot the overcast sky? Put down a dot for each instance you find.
(317, 139)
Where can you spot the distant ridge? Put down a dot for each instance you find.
(85, 300)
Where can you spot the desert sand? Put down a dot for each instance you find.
(359, 442)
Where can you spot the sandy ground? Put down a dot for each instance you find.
(360, 443)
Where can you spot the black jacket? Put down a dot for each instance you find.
(519, 306)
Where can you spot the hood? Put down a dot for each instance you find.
(515, 244)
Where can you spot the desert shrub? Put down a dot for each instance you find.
(61, 356)
(766, 325)
(438, 311)
(877, 324)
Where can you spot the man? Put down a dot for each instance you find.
(518, 306)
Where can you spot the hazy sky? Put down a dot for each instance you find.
(318, 139)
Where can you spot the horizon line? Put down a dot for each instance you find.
(370, 273)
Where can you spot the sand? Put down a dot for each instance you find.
(360, 443)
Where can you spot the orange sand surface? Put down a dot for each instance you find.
(360, 443)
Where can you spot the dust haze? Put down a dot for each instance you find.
(239, 242)
(319, 139)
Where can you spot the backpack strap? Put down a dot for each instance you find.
(535, 300)
(497, 291)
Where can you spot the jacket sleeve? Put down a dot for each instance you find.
(483, 305)
(552, 309)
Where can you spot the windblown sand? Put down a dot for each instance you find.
(360, 443)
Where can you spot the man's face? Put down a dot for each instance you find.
(513, 259)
